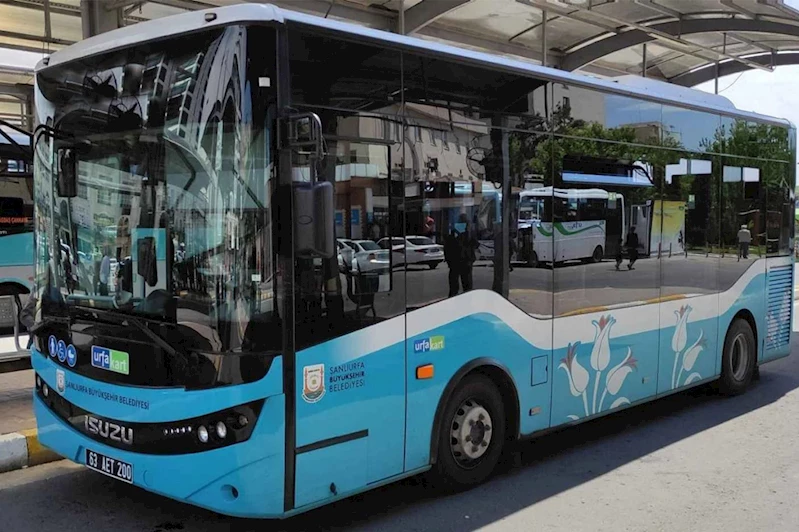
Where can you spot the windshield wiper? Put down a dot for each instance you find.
(119, 319)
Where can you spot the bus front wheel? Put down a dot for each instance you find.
(472, 434)
(532, 259)
(739, 359)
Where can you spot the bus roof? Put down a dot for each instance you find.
(597, 193)
(194, 21)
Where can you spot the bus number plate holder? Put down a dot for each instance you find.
(109, 466)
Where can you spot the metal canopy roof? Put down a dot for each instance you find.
(681, 41)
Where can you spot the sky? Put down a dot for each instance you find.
(769, 93)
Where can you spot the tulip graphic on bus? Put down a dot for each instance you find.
(685, 358)
(580, 381)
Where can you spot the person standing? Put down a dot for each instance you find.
(460, 254)
(632, 247)
(744, 239)
(69, 279)
(27, 315)
(105, 272)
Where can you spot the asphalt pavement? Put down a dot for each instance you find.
(693, 461)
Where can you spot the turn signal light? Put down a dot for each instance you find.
(424, 372)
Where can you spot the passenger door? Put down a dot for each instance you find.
(349, 332)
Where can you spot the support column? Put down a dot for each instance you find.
(724, 51)
(643, 70)
(29, 120)
(96, 19)
(543, 37)
(500, 173)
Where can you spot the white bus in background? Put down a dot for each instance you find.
(588, 224)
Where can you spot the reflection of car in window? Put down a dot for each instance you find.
(414, 250)
(362, 256)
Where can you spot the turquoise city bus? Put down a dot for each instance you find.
(217, 354)
(16, 219)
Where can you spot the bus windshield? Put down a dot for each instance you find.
(170, 221)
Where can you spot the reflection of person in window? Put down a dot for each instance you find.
(460, 254)
(744, 239)
(70, 280)
(632, 247)
(430, 227)
(105, 272)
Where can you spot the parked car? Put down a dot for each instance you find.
(414, 250)
(363, 256)
(345, 252)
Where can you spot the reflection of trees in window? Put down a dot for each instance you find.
(766, 149)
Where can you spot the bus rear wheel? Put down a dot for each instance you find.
(739, 359)
(598, 254)
(472, 434)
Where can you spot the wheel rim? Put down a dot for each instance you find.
(470, 433)
(739, 357)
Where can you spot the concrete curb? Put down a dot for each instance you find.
(22, 449)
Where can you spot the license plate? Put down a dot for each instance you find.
(109, 466)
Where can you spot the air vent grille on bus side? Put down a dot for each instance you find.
(779, 305)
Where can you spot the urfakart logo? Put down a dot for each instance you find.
(434, 343)
(107, 429)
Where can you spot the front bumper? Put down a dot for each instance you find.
(244, 479)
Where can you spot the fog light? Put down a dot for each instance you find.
(202, 434)
(45, 390)
(243, 420)
(38, 381)
(221, 430)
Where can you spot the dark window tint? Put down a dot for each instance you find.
(355, 90)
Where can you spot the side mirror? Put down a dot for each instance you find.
(147, 266)
(314, 220)
(304, 132)
(67, 172)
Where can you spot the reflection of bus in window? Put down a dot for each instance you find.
(584, 223)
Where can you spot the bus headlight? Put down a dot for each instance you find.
(221, 430)
(202, 434)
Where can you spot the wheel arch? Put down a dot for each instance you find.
(500, 376)
(10, 288)
(746, 315)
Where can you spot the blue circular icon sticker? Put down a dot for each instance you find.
(52, 345)
(72, 356)
(62, 351)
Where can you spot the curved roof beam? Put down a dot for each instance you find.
(691, 79)
(597, 50)
(428, 11)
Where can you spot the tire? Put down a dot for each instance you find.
(532, 260)
(455, 469)
(739, 359)
(598, 255)
(432, 265)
